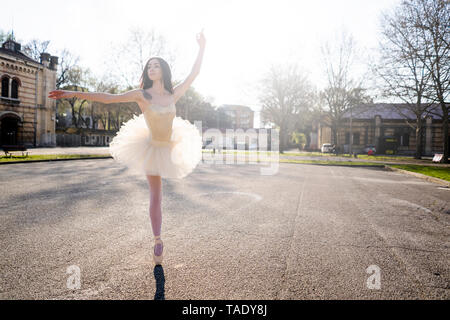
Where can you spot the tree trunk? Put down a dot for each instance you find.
(445, 131)
(283, 135)
(335, 139)
(418, 153)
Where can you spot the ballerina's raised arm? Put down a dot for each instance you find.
(135, 95)
(180, 89)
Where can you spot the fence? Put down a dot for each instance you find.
(68, 140)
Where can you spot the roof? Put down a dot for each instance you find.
(391, 111)
(18, 54)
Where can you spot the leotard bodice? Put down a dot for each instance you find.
(159, 120)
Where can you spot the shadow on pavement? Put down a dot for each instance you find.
(158, 272)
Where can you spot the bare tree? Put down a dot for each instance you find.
(70, 76)
(432, 20)
(128, 59)
(405, 76)
(105, 114)
(343, 91)
(67, 61)
(35, 47)
(111, 115)
(286, 94)
(77, 79)
(76, 106)
(67, 68)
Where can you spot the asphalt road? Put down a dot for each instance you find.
(306, 232)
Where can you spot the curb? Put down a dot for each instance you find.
(110, 157)
(46, 160)
(422, 176)
(340, 165)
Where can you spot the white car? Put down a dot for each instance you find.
(327, 148)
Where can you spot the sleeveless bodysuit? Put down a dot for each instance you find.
(159, 121)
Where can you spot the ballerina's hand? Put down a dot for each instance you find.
(59, 94)
(201, 39)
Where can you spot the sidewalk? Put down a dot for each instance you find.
(104, 151)
(70, 150)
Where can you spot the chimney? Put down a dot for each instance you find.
(53, 62)
(45, 59)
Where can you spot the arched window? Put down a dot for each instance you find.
(5, 87)
(15, 89)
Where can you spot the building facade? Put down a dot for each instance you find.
(242, 117)
(27, 115)
(239, 131)
(385, 127)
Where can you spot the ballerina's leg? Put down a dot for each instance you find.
(155, 186)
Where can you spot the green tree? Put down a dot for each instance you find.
(299, 139)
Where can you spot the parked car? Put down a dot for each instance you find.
(369, 147)
(327, 148)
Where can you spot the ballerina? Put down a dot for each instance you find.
(156, 143)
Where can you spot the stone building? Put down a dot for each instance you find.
(235, 130)
(27, 116)
(242, 116)
(384, 126)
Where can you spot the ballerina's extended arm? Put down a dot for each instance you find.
(129, 96)
(180, 89)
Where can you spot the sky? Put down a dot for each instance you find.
(243, 37)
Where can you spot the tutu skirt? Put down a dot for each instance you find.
(134, 147)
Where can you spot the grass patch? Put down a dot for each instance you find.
(263, 157)
(436, 172)
(316, 154)
(345, 155)
(308, 154)
(388, 158)
(353, 163)
(49, 157)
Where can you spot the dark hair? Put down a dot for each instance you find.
(167, 75)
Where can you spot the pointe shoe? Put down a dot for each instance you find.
(157, 259)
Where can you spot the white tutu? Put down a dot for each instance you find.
(134, 147)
